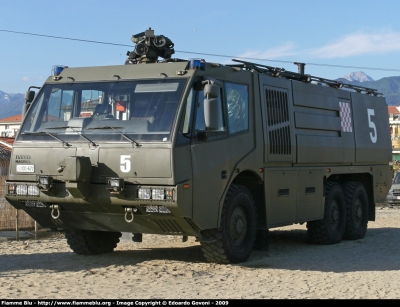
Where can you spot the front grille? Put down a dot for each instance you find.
(34, 204)
(396, 192)
(156, 209)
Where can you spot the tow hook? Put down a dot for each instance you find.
(129, 211)
(55, 211)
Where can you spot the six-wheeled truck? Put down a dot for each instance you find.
(191, 148)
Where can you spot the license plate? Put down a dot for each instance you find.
(397, 197)
(25, 168)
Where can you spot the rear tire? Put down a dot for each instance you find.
(356, 211)
(330, 229)
(91, 242)
(234, 240)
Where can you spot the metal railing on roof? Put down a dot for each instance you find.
(282, 73)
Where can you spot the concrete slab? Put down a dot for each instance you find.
(126, 236)
(12, 235)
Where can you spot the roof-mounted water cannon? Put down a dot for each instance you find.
(149, 47)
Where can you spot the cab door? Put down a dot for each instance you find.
(210, 164)
(216, 153)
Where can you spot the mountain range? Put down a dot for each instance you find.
(389, 86)
(11, 104)
(357, 76)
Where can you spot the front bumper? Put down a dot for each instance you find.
(393, 199)
(106, 211)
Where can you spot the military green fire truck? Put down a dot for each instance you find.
(223, 153)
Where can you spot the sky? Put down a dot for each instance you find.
(333, 38)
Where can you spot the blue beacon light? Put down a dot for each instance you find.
(197, 64)
(57, 69)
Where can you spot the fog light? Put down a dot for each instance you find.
(115, 185)
(45, 183)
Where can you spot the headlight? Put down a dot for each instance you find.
(156, 193)
(33, 190)
(144, 193)
(23, 189)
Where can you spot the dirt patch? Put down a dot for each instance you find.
(165, 267)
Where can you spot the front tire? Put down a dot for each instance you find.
(356, 211)
(331, 228)
(234, 240)
(91, 242)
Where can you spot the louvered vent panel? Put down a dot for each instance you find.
(169, 226)
(278, 122)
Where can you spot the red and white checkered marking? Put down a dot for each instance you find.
(345, 117)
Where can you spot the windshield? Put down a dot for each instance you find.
(104, 111)
(397, 178)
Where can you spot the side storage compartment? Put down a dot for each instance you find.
(323, 124)
(293, 195)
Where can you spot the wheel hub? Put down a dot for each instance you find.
(357, 213)
(334, 214)
(238, 226)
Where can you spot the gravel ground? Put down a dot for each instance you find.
(164, 267)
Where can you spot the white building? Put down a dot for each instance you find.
(9, 126)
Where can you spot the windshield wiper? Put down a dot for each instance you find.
(80, 133)
(114, 128)
(53, 136)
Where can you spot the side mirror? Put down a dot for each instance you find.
(211, 90)
(211, 106)
(29, 95)
(211, 113)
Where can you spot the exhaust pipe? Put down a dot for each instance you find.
(300, 67)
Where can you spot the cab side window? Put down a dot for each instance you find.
(237, 99)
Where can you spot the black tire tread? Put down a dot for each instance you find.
(90, 242)
(215, 248)
(353, 231)
(318, 231)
